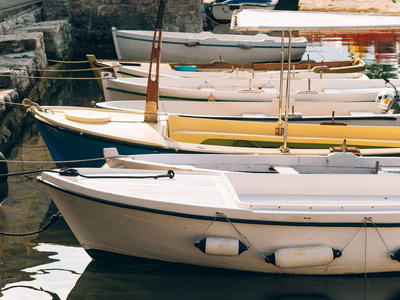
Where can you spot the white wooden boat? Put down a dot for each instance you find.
(129, 71)
(286, 222)
(221, 12)
(333, 163)
(344, 113)
(246, 89)
(304, 69)
(204, 47)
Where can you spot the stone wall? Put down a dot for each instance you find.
(91, 20)
(26, 45)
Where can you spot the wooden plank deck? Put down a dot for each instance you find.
(352, 6)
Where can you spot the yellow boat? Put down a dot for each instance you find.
(76, 133)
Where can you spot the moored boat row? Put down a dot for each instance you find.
(274, 197)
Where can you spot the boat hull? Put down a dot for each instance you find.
(349, 113)
(245, 90)
(204, 47)
(62, 145)
(143, 228)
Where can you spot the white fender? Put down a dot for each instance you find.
(299, 257)
(221, 246)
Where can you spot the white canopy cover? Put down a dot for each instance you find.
(268, 20)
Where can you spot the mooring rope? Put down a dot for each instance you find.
(14, 105)
(53, 219)
(63, 161)
(73, 172)
(58, 161)
(24, 173)
(215, 22)
(51, 70)
(70, 61)
(46, 77)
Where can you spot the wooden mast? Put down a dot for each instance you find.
(151, 108)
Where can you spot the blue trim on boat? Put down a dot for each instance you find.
(177, 98)
(210, 45)
(131, 75)
(62, 144)
(211, 218)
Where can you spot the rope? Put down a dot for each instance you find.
(364, 224)
(365, 250)
(56, 161)
(390, 252)
(73, 172)
(25, 173)
(201, 237)
(61, 161)
(70, 62)
(45, 77)
(49, 70)
(242, 237)
(14, 105)
(215, 22)
(53, 219)
(254, 249)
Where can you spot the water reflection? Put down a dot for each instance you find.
(379, 49)
(52, 265)
(52, 280)
(154, 280)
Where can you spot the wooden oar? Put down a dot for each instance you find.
(151, 108)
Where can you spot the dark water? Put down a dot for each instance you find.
(52, 265)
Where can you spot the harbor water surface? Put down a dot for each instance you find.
(52, 265)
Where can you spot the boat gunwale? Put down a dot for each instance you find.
(213, 217)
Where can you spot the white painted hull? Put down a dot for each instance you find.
(163, 219)
(351, 113)
(333, 163)
(247, 90)
(122, 71)
(204, 47)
